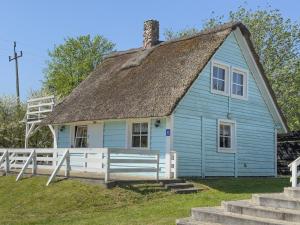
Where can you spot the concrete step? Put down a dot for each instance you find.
(276, 201)
(292, 192)
(191, 221)
(185, 190)
(218, 215)
(178, 185)
(248, 208)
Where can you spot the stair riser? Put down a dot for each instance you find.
(276, 203)
(261, 213)
(180, 186)
(185, 192)
(164, 182)
(225, 219)
(292, 193)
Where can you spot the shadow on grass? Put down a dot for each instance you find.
(244, 185)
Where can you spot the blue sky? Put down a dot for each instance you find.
(38, 25)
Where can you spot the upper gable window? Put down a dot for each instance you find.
(239, 83)
(219, 78)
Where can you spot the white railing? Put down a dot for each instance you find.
(295, 172)
(102, 160)
(38, 108)
(118, 162)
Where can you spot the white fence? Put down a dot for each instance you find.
(294, 167)
(103, 160)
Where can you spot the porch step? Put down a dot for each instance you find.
(191, 221)
(171, 181)
(219, 215)
(248, 208)
(185, 190)
(292, 192)
(276, 201)
(178, 185)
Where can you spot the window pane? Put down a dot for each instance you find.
(227, 143)
(221, 85)
(221, 74)
(144, 141)
(239, 90)
(215, 71)
(238, 78)
(227, 130)
(221, 142)
(136, 128)
(144, 128)
(215, 84)
(136, 141)
(234, 89)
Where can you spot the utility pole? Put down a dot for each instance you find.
(15, 57)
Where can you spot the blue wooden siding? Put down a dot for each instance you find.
(200, 110)
(114, 134)
(63, 137)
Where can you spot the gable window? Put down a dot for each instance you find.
(219, 78)
(81, 137)
(140, 134)
(226, 136)
(239, 84)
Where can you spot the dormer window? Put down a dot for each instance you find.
(219, 78)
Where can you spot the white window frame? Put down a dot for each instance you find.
(232, 124)
(129, 130)
(87, 136)
(244, 73)
(226, 67)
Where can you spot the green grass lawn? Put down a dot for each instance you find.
(73, 202)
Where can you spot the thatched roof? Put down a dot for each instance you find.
(142, 83)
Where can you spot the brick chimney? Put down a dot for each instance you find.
(151, 33)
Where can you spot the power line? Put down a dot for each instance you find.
(15, 57)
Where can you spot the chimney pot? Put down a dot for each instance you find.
(151, 33)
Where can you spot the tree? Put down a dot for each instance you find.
(71, 62)
(277, 42)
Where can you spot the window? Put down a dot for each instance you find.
(139, 135)
(239, 84)
(226, 136)
(219, 78)
(81, 137)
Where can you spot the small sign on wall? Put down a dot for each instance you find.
(168, 132)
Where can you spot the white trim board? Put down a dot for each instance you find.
(258, 77)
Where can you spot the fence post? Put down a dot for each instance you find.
(34, 163)
(294, 175)
(107, 166)
(6, 162)
(67, 172)
(157, 169)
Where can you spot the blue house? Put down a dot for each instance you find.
(205, 97)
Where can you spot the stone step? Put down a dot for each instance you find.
(218, 215)
(276, 201)
(191, 221)
(248, 208)
(292, 192)
(185, 190)
(171, 181)
(178, 185)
